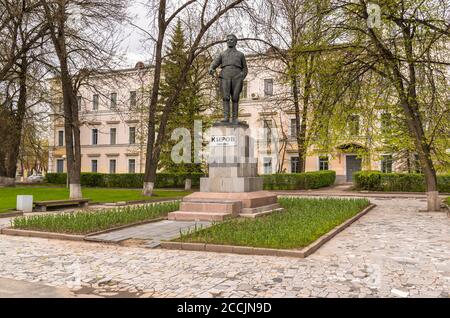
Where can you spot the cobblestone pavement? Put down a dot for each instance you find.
(393, 251)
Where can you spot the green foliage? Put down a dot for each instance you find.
(190, 103)
(299, 181)
(128, 180)
(405, 182)
(302, 222)
(92, 180)
(56, 178)
(93, 221)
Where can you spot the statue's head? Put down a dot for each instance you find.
(231, 40)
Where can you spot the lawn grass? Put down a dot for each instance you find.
(88, 222)
(448, 201)
(303, 221)
(39, 193)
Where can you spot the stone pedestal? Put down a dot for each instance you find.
(24, 203)
(233, 187)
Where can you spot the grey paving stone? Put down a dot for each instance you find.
(392, 248)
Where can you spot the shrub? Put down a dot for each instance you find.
(299, 181)
(128, 180)
(56, 178)
(92, 179)
(392, 182)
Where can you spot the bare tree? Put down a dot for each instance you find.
(82, 34)
(209, 14)
(293, 34)
(22, 33)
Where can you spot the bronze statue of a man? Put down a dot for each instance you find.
(234, 70)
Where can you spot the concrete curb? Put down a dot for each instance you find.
(48, 235)
(247, 250)
(73, 237)
(10, 214)
(374, 195)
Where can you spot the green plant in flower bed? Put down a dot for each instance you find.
(302, 222)
(93, 221)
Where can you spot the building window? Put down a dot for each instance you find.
(133, 100)
(244, 90)
(112, 135)
(268, 87)
(94, 166)
(113, 100)
(95, 102)
(353, 123)
(324, 163)
(59, 165)
(267, 165)
(95, 136)
(293, 128)
(61, 138)
(112, 166)
(79, 102)
(295, 165)
(386, 164)
(132, 135)
(132, 166)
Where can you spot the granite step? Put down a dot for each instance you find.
(211, 206)
(265, 208)
(199, 216)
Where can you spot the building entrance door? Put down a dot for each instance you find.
(353, 164)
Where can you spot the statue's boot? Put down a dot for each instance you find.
(226, 112)
(235, 115)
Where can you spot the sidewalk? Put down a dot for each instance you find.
(343, 190)
(11, 288)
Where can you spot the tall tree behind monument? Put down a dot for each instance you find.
(209, 13)
(190, 104)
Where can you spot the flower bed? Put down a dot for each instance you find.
(94, 221)
(303, 221)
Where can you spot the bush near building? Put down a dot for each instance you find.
(405, 182)
(299, 181)
(291, 181)
(128, 180)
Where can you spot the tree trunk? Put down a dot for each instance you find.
(70, 103)
(17, 120)
(294, 85)
(150, 165)
(302, 135)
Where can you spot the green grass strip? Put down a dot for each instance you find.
(93, 221)
(44, 193)
(303, 221)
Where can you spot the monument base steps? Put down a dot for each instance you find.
(199, 216)
(205, 206)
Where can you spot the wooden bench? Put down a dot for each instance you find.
(42, 206)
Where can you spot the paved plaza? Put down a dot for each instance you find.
(393, 251)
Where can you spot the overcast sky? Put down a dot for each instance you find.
(134, 39)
